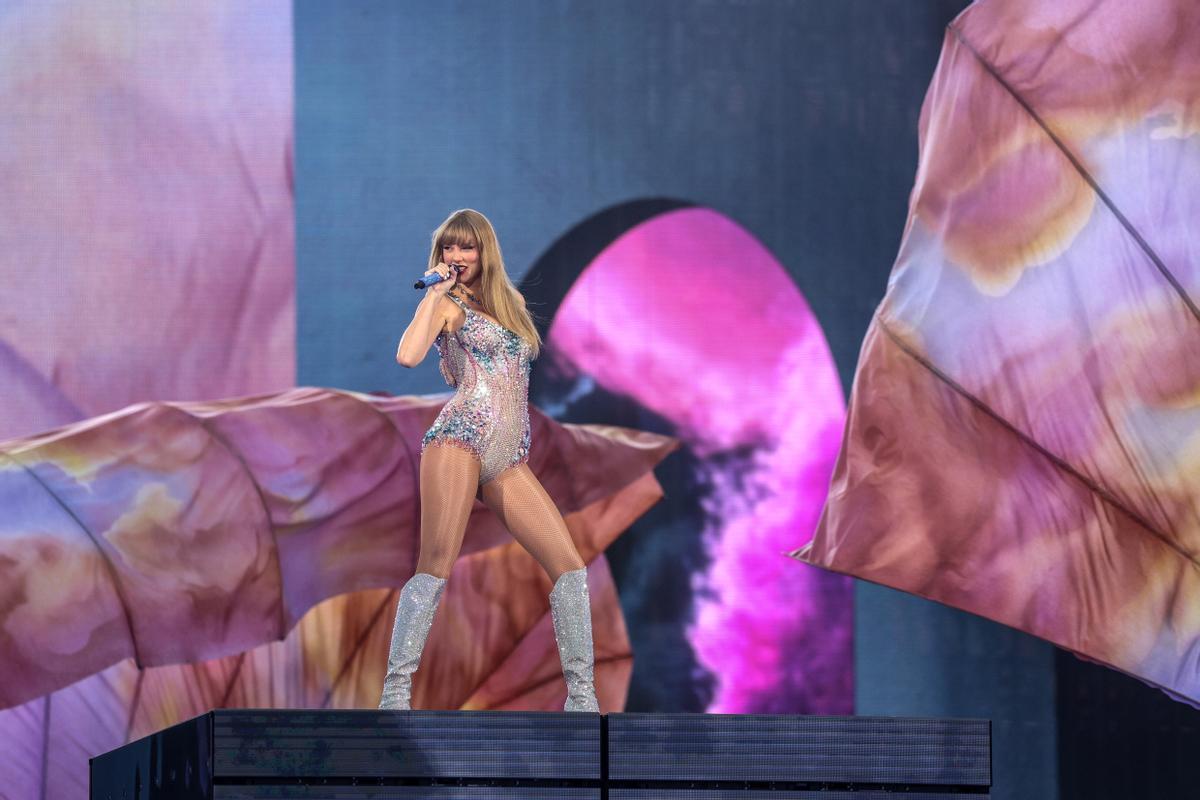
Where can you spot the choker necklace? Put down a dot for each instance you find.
(469, 295)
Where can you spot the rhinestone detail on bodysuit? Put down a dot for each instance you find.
(488, 365)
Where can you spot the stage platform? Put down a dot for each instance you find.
(249, 753)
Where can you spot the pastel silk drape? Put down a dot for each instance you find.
(169, 558)
(1023, 440)
(178, 532)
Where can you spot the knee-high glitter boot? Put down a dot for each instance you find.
(414, 615)
(572, 612)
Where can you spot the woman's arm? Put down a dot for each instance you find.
(429, 320)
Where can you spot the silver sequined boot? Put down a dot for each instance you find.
(572, 612)
(414, 615)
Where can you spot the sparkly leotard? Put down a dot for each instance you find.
(489, 413)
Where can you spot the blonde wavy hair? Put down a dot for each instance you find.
(497, 293)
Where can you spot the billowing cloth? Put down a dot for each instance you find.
(1024, 434)
(177, 532)
(169, 547)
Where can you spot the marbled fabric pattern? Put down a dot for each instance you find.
(230, 519)
(1024, 436)
(489, 413)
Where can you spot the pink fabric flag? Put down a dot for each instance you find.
(1024, 433)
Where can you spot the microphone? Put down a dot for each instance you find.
(429, 280)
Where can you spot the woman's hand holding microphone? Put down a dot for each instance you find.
(430, 318)
(449, 278)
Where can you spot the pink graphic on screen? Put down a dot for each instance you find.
(722, 344)
(147, 214)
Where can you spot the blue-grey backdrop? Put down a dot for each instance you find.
(797, 119)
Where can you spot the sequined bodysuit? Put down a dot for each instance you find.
(489, 413)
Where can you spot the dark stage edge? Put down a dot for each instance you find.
(479, 755)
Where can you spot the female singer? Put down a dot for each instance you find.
(480, 443)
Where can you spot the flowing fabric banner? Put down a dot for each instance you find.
(163, 560)
(1023, 439)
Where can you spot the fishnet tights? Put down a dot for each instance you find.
(449, 479)
(518, 499)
